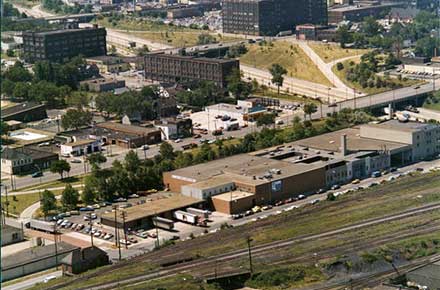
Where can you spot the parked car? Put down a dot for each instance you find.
(315, 201)
(75, 161)
(356, 181)
(86, 209)
(37, 174)
(336, 186)
(301, 196)
(121, 199)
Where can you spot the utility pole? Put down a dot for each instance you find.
(56, 244)
(249, 240)
(157, 233)
(6, 200)
(115, 208)
(117, 241)
(123, 215)
(90, 224)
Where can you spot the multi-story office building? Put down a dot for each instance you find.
(269, 17)
(60, 45)
(175, 68)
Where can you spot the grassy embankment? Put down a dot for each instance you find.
(290, 56)
(330, 52)
(161, 33)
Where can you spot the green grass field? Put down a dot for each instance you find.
(290, 56)
(330, 52)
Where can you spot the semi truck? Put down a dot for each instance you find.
(44, 226)
(186, 217)
(200, 212)
(163, 223)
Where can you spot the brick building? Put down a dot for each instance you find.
(175, 68)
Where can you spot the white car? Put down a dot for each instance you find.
(49, 278)
(315, 201)
(177, 140)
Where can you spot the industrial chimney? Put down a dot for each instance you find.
(343, 144)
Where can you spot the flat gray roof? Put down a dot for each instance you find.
(35, 254)
(332, 142)
(403, 126)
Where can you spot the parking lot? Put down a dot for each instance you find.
(85, 222)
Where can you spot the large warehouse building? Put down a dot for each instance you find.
(239, 182)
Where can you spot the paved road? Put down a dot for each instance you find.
(28, 283)
(297, 86)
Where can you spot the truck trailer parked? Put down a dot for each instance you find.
(163, 223)
(49, 227)
(186, 217)
(200, 212)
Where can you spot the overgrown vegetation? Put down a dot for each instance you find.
(433, 101)
(59, 7)
(51, 83)
(373, 35)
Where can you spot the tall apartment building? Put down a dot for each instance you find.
(60, 45)
(175, 68)
(269, 17)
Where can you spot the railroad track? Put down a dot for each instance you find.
(377, 278)
(352, 246)
(179, 268)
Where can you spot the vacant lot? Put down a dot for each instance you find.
(369, 91)
(290, 56)
(330, 52)
(161, 33)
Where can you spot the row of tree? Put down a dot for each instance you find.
(52, 84)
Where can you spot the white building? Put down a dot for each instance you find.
(81, 147)
(11, 235)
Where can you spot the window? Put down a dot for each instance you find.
(15, 236)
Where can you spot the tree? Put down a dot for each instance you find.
(236, 86)
(76, 118)
(60, 166)
(142, 51)
(88, 195)
(48, 202)
(4, 128)
(344, 35)
(205, 38)
(339, 66)
(167, 151)
(277, 71)
(309, 109)
(78, 100)
(69, 197)
(265, 119)
(18, 73)
(96, 158)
